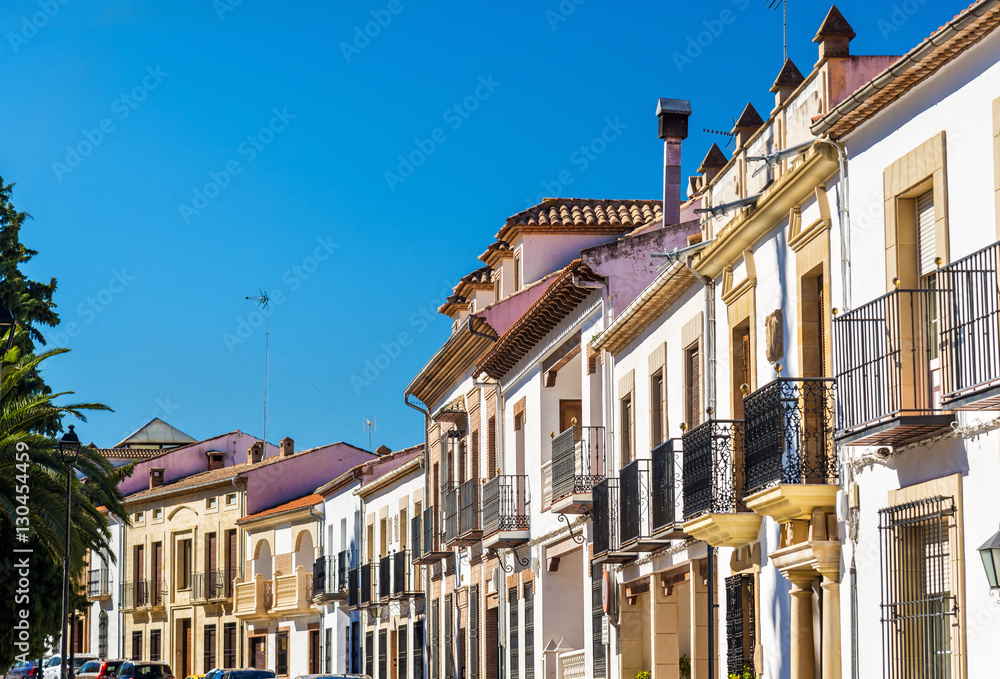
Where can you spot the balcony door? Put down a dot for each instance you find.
(232, 565)
(927, 269)
(570, 413)
(211, 564)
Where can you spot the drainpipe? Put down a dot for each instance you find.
(321, 521)
(427, 451)
(121, 587)
(243, 550)
(844, 212)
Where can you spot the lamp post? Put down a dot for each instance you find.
(69, 451)
(990, 553)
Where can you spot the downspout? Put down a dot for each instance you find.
(121, 587)
(321, 520)
(243, 554)
(426, 581)
(844, 212)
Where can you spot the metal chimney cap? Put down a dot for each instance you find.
(679, 106)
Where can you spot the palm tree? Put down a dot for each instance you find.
(22, 419)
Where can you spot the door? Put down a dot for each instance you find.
(156, 589)
(211, 565)
(140, 575)
(258, 652)
(186, 647)
(570, 413)
(393, 656)
(314, 651)
(232, 565)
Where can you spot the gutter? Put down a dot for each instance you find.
(904, 64)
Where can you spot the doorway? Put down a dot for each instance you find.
(258, 652)
(570, 413)
(186, 646)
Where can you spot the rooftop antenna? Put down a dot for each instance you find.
(728, 135)
(772, 4)
(369, 427)
(263, 303)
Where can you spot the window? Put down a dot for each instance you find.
(741, 361)
(155, 645)
(740, 631)
(497, 286)
(328, 651)
(369, 653)
(229, 644)
(402, 524)
(627, 426)
(656, 409)
(158, 514)
(382, 655)
(692, 382)
(356, 647)
(529, 630)
(212, 502)
(918, 606)
(281, 652)
(230, 499)
(491, 447)
(474, 632)
(139, 517)
(435, 635)
(418, 649)
(402, 652)
(102, 634)
(184, 564)
(449, 660)
(137, 645)
(209, 661)
(517, 271)
(597, 620)
(515, 661)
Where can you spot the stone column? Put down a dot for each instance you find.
(831, 627)
(803, 660)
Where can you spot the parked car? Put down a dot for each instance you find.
(51, 669)
(24, 669)
(100, 669)
(136, 669)
(248, 673)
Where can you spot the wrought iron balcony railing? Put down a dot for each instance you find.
(577, 462)
(789, 434)
(431, 546)
(469, 525)
(712, 451)
(211, 585)
(98, 584)
(354, 587)
(368, 584)
(637, 507)
(970, 330)
(384, 588)
(505, 505)
(886, 355)
(450, 514)
(143, 594)
(605, 514)
(664, 485)
(330, 575)
(405, 575)
(416, 536)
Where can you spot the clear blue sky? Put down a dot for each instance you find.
(286, 122)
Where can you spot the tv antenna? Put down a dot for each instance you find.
(772, 4)
(730, 137)
(369, 427)
(263, 302)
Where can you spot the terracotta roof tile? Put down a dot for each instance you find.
(290, 506)
(561, 214)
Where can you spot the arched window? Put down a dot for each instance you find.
(102, 635)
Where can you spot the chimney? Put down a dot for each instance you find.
(834, 35)
(714, 161)
(287, 446)
(748, 123)
(256, 452)
(789, 78)
(382, 451)
(673, 129)
(216, 459)
(155, 477)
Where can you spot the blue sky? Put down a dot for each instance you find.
(350, 158)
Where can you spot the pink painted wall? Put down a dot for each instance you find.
(187, 460)
(299, 474)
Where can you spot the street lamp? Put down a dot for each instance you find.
(69, 451)
(990, 553)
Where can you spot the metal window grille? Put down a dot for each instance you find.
(369, 653)
(155, 645)
(209, 659)
(740, 624)
(281, 653)
(102, 634)
(136, 645)
(918, 607)
(382, 655)
(597, 620)
(418, 649)
(327, 652)
(514, 645)
(402, 652)
(229, 644)
(529, 631)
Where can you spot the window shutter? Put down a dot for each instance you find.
(926, 233)
(746, 360)
(694, 370)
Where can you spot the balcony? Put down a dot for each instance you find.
(470, 530)
(790, 463)
(330, 576)
(713, 491)
(666, 517)
(637, 508)
(577, 466)
(98, 585)
(970, 331)
(143, 595)
(405, 577)
(889, 369)
(293, 594)
(431, 548)
(607, 524)
(253, 599)
(211, 586)
(367, 584)
(354, 587)
(450, 514)
(505, 512)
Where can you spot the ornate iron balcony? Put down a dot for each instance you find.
(789, 434)
(664, 485)
(711, 451)
(577, 462)
(885, 352)
(505, 509)
(330, 575)
(450, 514)
(384, 577)
(970, 331)
(607, 536)
(211, 585)
(469, 527)
(637, 507)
